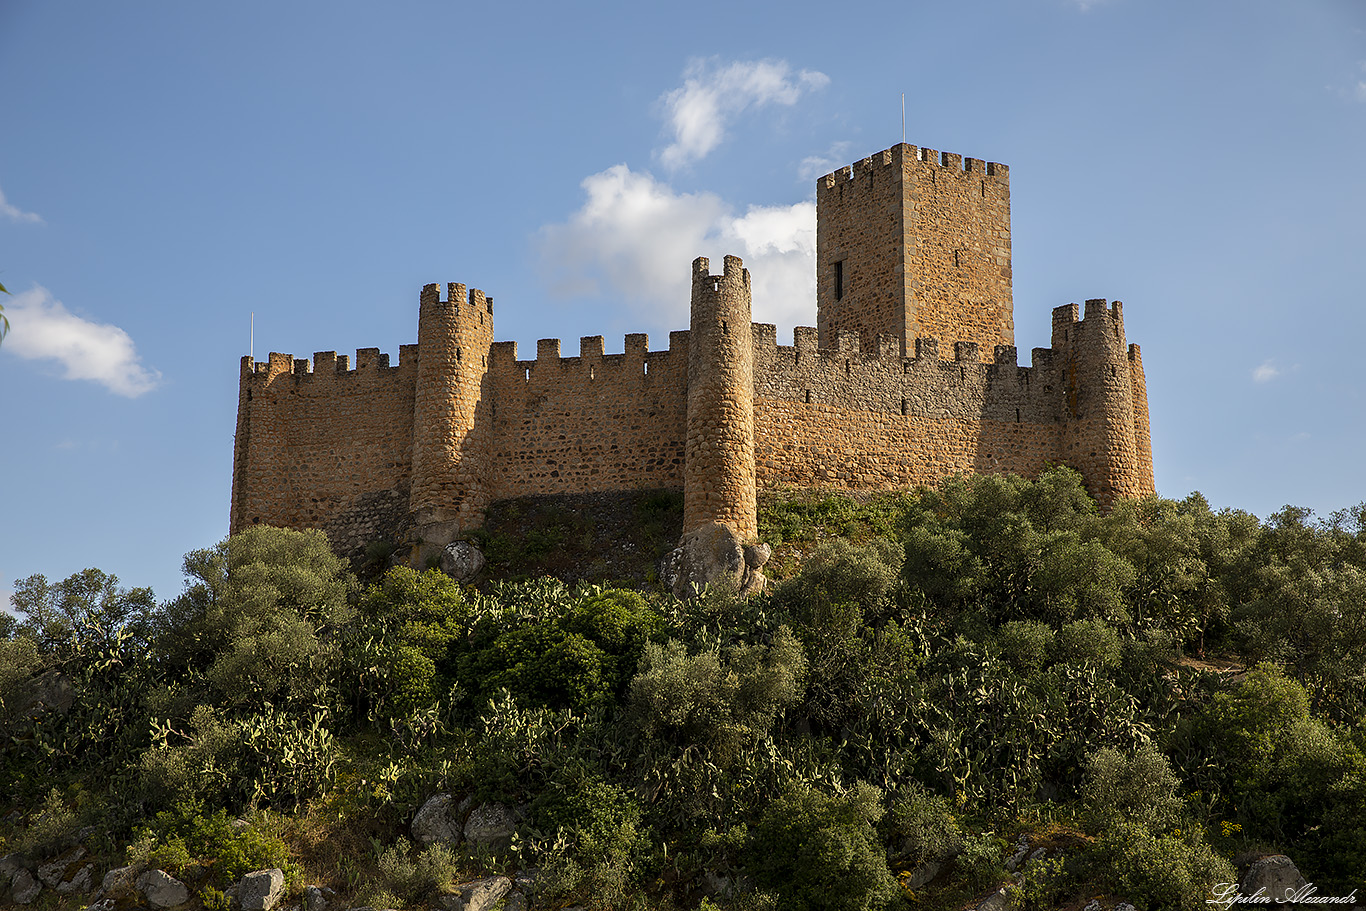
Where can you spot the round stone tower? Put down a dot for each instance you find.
(450, 429)
(718, 483)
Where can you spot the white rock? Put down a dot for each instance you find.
(24, 888)
(490, 826)
(480, 895)
(436, 821)
(53, 872)
(261, 890)
(81, 882)
(162, 890)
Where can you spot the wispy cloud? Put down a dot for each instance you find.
(635, 235)
(1360, 90)
(1266, 371)
(1088, 5)
(42, 329)
(14, 213)
(813, 166)
(714, 93)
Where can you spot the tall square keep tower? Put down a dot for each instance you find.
(915, 243)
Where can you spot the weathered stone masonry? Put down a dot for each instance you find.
(913, 253)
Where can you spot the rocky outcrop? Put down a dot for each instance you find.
(461, 560)
(1276, 874)
(162, 890)
(261, 890)
(714, 554)
(490, 826)
(480, 895)
(438, 820)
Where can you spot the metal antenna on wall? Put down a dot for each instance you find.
(903, 118)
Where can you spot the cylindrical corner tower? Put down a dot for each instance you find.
(449, 440)
(718, 480)
(1099, 439)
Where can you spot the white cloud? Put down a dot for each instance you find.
(1360, 90)
(1266, 372)
(42, 329)
(635, 236)
(14, 213)
(714, 93)
(814, 166)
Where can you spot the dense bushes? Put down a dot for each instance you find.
(954, 667)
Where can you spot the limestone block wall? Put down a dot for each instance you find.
(322, 445)
(589, 423)
(915, 243)
(847, 418)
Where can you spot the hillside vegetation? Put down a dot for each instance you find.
(1149, 694)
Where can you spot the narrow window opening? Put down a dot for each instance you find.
(592, 373)
(846, 368)
(903, 406)
(905, 368)
(796, 358)
(724, 327)
(1017, 415)
(962, 373)
(1112, 372)
(647, 368)
(528, 374)
(808, 396)
(839, 280)
(984, 189)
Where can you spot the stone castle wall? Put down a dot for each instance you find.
(888, 391)
(322, 445)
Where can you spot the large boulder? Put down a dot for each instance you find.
(461, 560)
(54, 871)
(481, 895)
(261, 890)
(162, 890)
(713, 554)
(438, 820)
(490, 826)
(24, 888)
(1276, 874)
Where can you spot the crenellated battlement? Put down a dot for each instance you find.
(326, 366)
(911, 374)
(900, 156)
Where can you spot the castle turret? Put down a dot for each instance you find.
(719, 469)
(1105, 429)
(450, 426)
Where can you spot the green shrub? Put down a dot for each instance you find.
(1140, 789)
(1155, 872)
(188, 836)
(920, 826)
(1026, 644)
(600, 840)
(821, 853)
(406, 878)
(1087, 642)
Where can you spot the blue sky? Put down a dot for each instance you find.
(167, 169)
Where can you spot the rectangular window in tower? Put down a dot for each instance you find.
(839, 280)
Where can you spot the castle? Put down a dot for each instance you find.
(913, 252)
